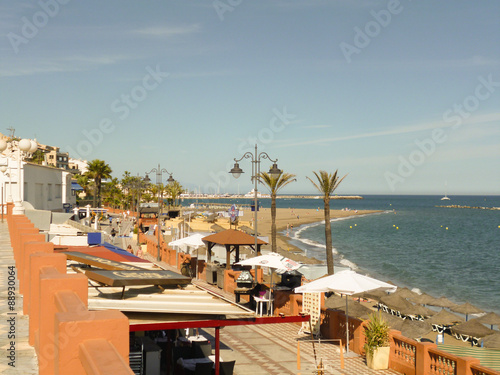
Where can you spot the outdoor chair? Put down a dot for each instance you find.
(204, 368)
(226, 368)
(201, 350)
(264, 297)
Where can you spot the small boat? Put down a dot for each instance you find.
(445, 198)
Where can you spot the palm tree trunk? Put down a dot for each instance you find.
(273, 223)
(328, 237)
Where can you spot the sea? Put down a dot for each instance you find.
(412, 242)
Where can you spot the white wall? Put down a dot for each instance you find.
(47, 188)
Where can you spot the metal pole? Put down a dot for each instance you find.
(159, 211)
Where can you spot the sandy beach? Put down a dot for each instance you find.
(285, 217)
(293, 218)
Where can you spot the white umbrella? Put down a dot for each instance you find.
(271, 260)
(346, 282)
(195, 240)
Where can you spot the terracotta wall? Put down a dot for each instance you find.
(68, 338)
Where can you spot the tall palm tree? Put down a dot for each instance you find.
(275, 184)
(326, 184)
(97, 171)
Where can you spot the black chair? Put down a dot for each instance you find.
(181, 352)
(226, 368)
(201, 350)
(203, 368)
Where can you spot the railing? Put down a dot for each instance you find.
(68, 338)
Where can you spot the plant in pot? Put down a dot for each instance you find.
(377, 342)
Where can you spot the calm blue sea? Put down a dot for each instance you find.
(453, 252)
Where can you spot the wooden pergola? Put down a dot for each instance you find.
(232, 239)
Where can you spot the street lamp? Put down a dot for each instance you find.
(255, 158)
(138, 184)
(159, 176)
(3, 169)
(25, 147)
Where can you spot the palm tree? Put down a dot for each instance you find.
(97, 171)
(174, 190)
(275, 184)
(327, 183)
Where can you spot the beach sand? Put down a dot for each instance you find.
(293, 218)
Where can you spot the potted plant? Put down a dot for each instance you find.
(377, 342)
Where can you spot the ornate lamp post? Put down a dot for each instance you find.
(19, 150)
(159, 176)
(138, 184)
(255, 158)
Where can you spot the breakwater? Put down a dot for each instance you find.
(470, 207)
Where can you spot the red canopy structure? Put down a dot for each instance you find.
(232, 239)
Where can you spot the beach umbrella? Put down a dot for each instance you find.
(423, 299)
(492, 341)
(194, 240)
(466, 309)
(472, 328)
(375, 294)
(444, 317)
(418, 310)
(216, 228)
(355, 309)
(442, 302)
(271, 260)
(345, 282)
(415, 328)
(396, 302)
(491, 318)
(405, 293)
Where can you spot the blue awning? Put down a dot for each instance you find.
(76, 186)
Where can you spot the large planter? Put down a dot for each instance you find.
(380, 358)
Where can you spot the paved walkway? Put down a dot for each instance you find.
(272, 348)
(13, 322)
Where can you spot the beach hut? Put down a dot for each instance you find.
(232, 239)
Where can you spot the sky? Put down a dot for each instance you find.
(403, 97)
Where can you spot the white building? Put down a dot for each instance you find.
(43, 187)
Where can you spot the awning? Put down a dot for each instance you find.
(76, 186)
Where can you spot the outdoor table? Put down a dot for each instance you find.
(186, 341)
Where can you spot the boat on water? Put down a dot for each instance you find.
(445, 198)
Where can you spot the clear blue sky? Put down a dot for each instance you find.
(404, 96)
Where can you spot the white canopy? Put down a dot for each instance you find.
(195, 241)
(271, 260)
(346, 282)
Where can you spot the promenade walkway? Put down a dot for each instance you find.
(272, 348)
(13, 321)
